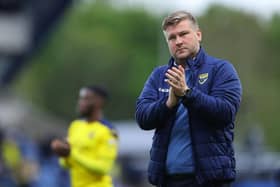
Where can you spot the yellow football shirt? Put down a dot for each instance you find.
(93, 153)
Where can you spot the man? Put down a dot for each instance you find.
(191, 103)
(91, 146)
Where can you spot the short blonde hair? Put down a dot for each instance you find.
(178, 16)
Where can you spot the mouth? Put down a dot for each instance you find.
(181, 50)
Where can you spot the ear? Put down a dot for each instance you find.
(165, 36)
(199, 35)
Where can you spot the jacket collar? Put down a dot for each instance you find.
(192, 63)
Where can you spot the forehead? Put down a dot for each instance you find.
(182, 25)
(85, 92)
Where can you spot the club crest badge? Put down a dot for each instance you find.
(90, 135)
(202, 78)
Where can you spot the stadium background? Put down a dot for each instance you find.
(49, 49)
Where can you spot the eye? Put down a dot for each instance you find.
(184, 33)
(171, 37)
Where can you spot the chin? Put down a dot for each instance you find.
(182, 56)
(83, 115)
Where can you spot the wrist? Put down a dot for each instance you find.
(187, 92)
(184, 93)
(171, 104)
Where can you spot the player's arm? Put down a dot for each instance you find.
(62, 149)
(103, 162)
(65, 162)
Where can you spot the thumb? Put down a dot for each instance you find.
(181, 68)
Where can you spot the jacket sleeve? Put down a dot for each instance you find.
(151, 111)
(223, 101)
(65, 162)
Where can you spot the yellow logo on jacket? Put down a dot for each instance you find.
(202, 78)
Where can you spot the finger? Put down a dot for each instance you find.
(180, 81)
(173, 74)
(172, 83)
(171, 77)
(180, 75)
(182, 69)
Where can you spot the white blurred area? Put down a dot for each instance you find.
(261, 8)
(17, 114)
(133, 140)
(15, 33)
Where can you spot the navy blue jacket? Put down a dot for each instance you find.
(212, 107)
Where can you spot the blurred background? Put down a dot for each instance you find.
(50, 48)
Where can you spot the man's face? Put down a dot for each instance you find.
(86, 103)
(183, 40)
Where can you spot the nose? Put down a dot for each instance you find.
(178, 40)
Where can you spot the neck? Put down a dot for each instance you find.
(95, 116)
(181, 62)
